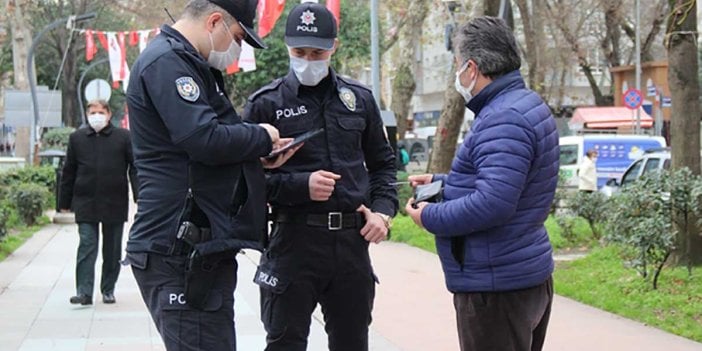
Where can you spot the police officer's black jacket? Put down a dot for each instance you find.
(186, 133)
(353, 145)
(94, 175)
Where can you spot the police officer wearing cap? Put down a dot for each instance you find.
(330, 200)
(201, 191)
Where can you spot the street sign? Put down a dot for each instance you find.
(651, 91)
(18, 107)
(98, 89)
(632, 99)
(667, 101)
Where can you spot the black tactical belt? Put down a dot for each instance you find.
(331, 220)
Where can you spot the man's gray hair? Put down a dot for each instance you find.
(490, 43)
(196, 9)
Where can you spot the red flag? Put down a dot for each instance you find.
(334, 7)
(125, 121)
(133, 38)
(90, 49)
(233, 68)
(103, 40)
(268, 13)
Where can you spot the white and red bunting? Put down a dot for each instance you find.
(116, 44)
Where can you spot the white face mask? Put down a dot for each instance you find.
(465, 92)
(309, 73)
(222, 59)
(97, 121)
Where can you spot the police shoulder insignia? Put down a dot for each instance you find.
(188, 89)
(348, 98)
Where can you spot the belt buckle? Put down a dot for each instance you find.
(332, 217)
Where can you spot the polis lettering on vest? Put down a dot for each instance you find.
(267, 279)
(307, 29)
(291, 112)
(179, 298)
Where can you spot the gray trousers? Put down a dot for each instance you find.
(87, 255)
(504, 321)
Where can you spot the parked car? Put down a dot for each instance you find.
(652, 161)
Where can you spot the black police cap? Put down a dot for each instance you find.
(244, 11)
(310, 25)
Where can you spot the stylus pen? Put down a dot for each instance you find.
(398, 183)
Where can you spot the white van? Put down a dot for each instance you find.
(615, 154)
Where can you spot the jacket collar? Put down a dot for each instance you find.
(88, 130)
(510, 81)
(176, 36)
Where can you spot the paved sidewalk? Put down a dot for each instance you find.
(413, 311)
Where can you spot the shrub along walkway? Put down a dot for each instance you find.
(413, 311)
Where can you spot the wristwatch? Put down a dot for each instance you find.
(386, 219)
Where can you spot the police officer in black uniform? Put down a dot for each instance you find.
(201, 195)
(329, 200)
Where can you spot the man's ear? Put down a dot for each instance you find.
(213, 19)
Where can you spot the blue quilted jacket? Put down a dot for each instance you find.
(489, 229)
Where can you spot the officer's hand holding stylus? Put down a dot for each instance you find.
(272, 132)
(321, 184)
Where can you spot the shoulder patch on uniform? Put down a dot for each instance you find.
(266, 88)
(187, 89)
(348, 97)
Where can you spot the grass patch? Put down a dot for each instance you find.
(581, 234)
(18, 236)
(601, 280)
(405, 231)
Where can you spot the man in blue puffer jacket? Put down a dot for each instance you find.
(489, 228)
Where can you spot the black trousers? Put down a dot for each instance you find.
(87, 255)
(182, 328)
(305, 266)
(504, 321)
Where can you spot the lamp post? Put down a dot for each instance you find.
(70, 22)
(80, 86)
(638, 62)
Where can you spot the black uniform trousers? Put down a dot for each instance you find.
(183, 328)
(504, 321)
(307, 265)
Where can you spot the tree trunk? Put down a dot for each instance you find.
(684, 90)
(403, 85)
(534, 37)
(444, 146)
(21, 42)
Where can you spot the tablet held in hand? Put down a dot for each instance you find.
(297, 141)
